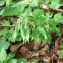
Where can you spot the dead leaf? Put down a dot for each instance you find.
(57, 43)
(26, 47)
(18, 54)
(46, 59)
(31, 54)
(13, 47)
(36, 46)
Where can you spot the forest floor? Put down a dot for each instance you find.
(43, 53)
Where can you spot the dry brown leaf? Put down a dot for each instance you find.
(46, 59)
(46, 47)
(13, 47)
(34, 59)
(26, 47)
(18, 54)
(23, 50)
(42, 44)
(30, 54)
(57, 43)
(59, 53)
(42, 50)
(36, 46)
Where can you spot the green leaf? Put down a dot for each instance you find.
(12, 61)
(9, 11)
(3, 54)
(23, 60)
(58, 18)
(55, 29)
(8, 2)
(62, 53)
(41, 21)
(16, 9)
(4, 44)
(61, 45)
(47, 1)
(55, 4)
(37, 13)
(10, 56)
(18, 38)
(6, 23)
(3, 31)
(35, 34)
(42, 34)
(2, 2)
(27, 12)
(25, 2)
(42, 38)
(55, 1)
(34, 3)
(49, 14)
(31, 20)
(23, 32)
(27, 32)
(11, 32)
(48, 33)
(15, 33)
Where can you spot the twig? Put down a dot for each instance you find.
(44, 6)
(59, 10)
(7, 25)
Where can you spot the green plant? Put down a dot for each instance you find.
(33, 22)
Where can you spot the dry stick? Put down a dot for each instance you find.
(59, 10)
(7, 25)
(44, 6)
(52, 60)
